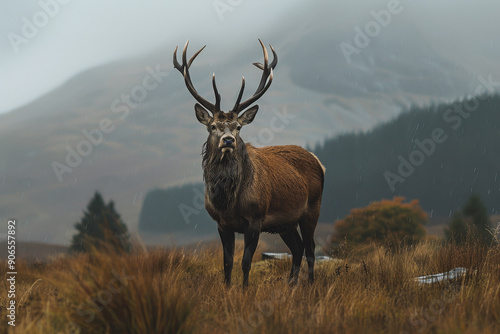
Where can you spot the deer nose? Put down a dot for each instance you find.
(228, 141)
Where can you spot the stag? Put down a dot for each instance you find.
(251, 190)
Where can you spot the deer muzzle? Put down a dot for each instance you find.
(227, 143)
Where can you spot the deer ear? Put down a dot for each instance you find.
(202, 114)
(248, 116)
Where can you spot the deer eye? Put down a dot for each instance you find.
(238, 127)
(213, 127)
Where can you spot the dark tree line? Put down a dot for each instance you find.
(465, 163)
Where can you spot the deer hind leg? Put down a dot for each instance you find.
(294, 242)
(307, 227)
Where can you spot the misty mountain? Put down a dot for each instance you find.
(445, 154)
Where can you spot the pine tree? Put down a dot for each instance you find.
(457, 229)
(100, 224)
(476, 212)
(472, 223)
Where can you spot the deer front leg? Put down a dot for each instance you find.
(251, 239)
(227, 238)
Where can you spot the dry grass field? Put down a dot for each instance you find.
(368, 290)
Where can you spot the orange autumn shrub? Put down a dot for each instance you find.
(385, 220)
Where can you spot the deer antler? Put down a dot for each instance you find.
(184, 69)
(267, 73)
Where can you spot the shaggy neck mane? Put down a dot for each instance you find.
(226, 176)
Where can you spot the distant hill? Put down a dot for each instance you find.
(363, 167)
(33, 251)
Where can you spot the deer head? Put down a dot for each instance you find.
(224, 127)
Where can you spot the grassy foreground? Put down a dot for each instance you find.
(370, 290)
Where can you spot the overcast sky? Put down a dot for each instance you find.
(81, 34)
